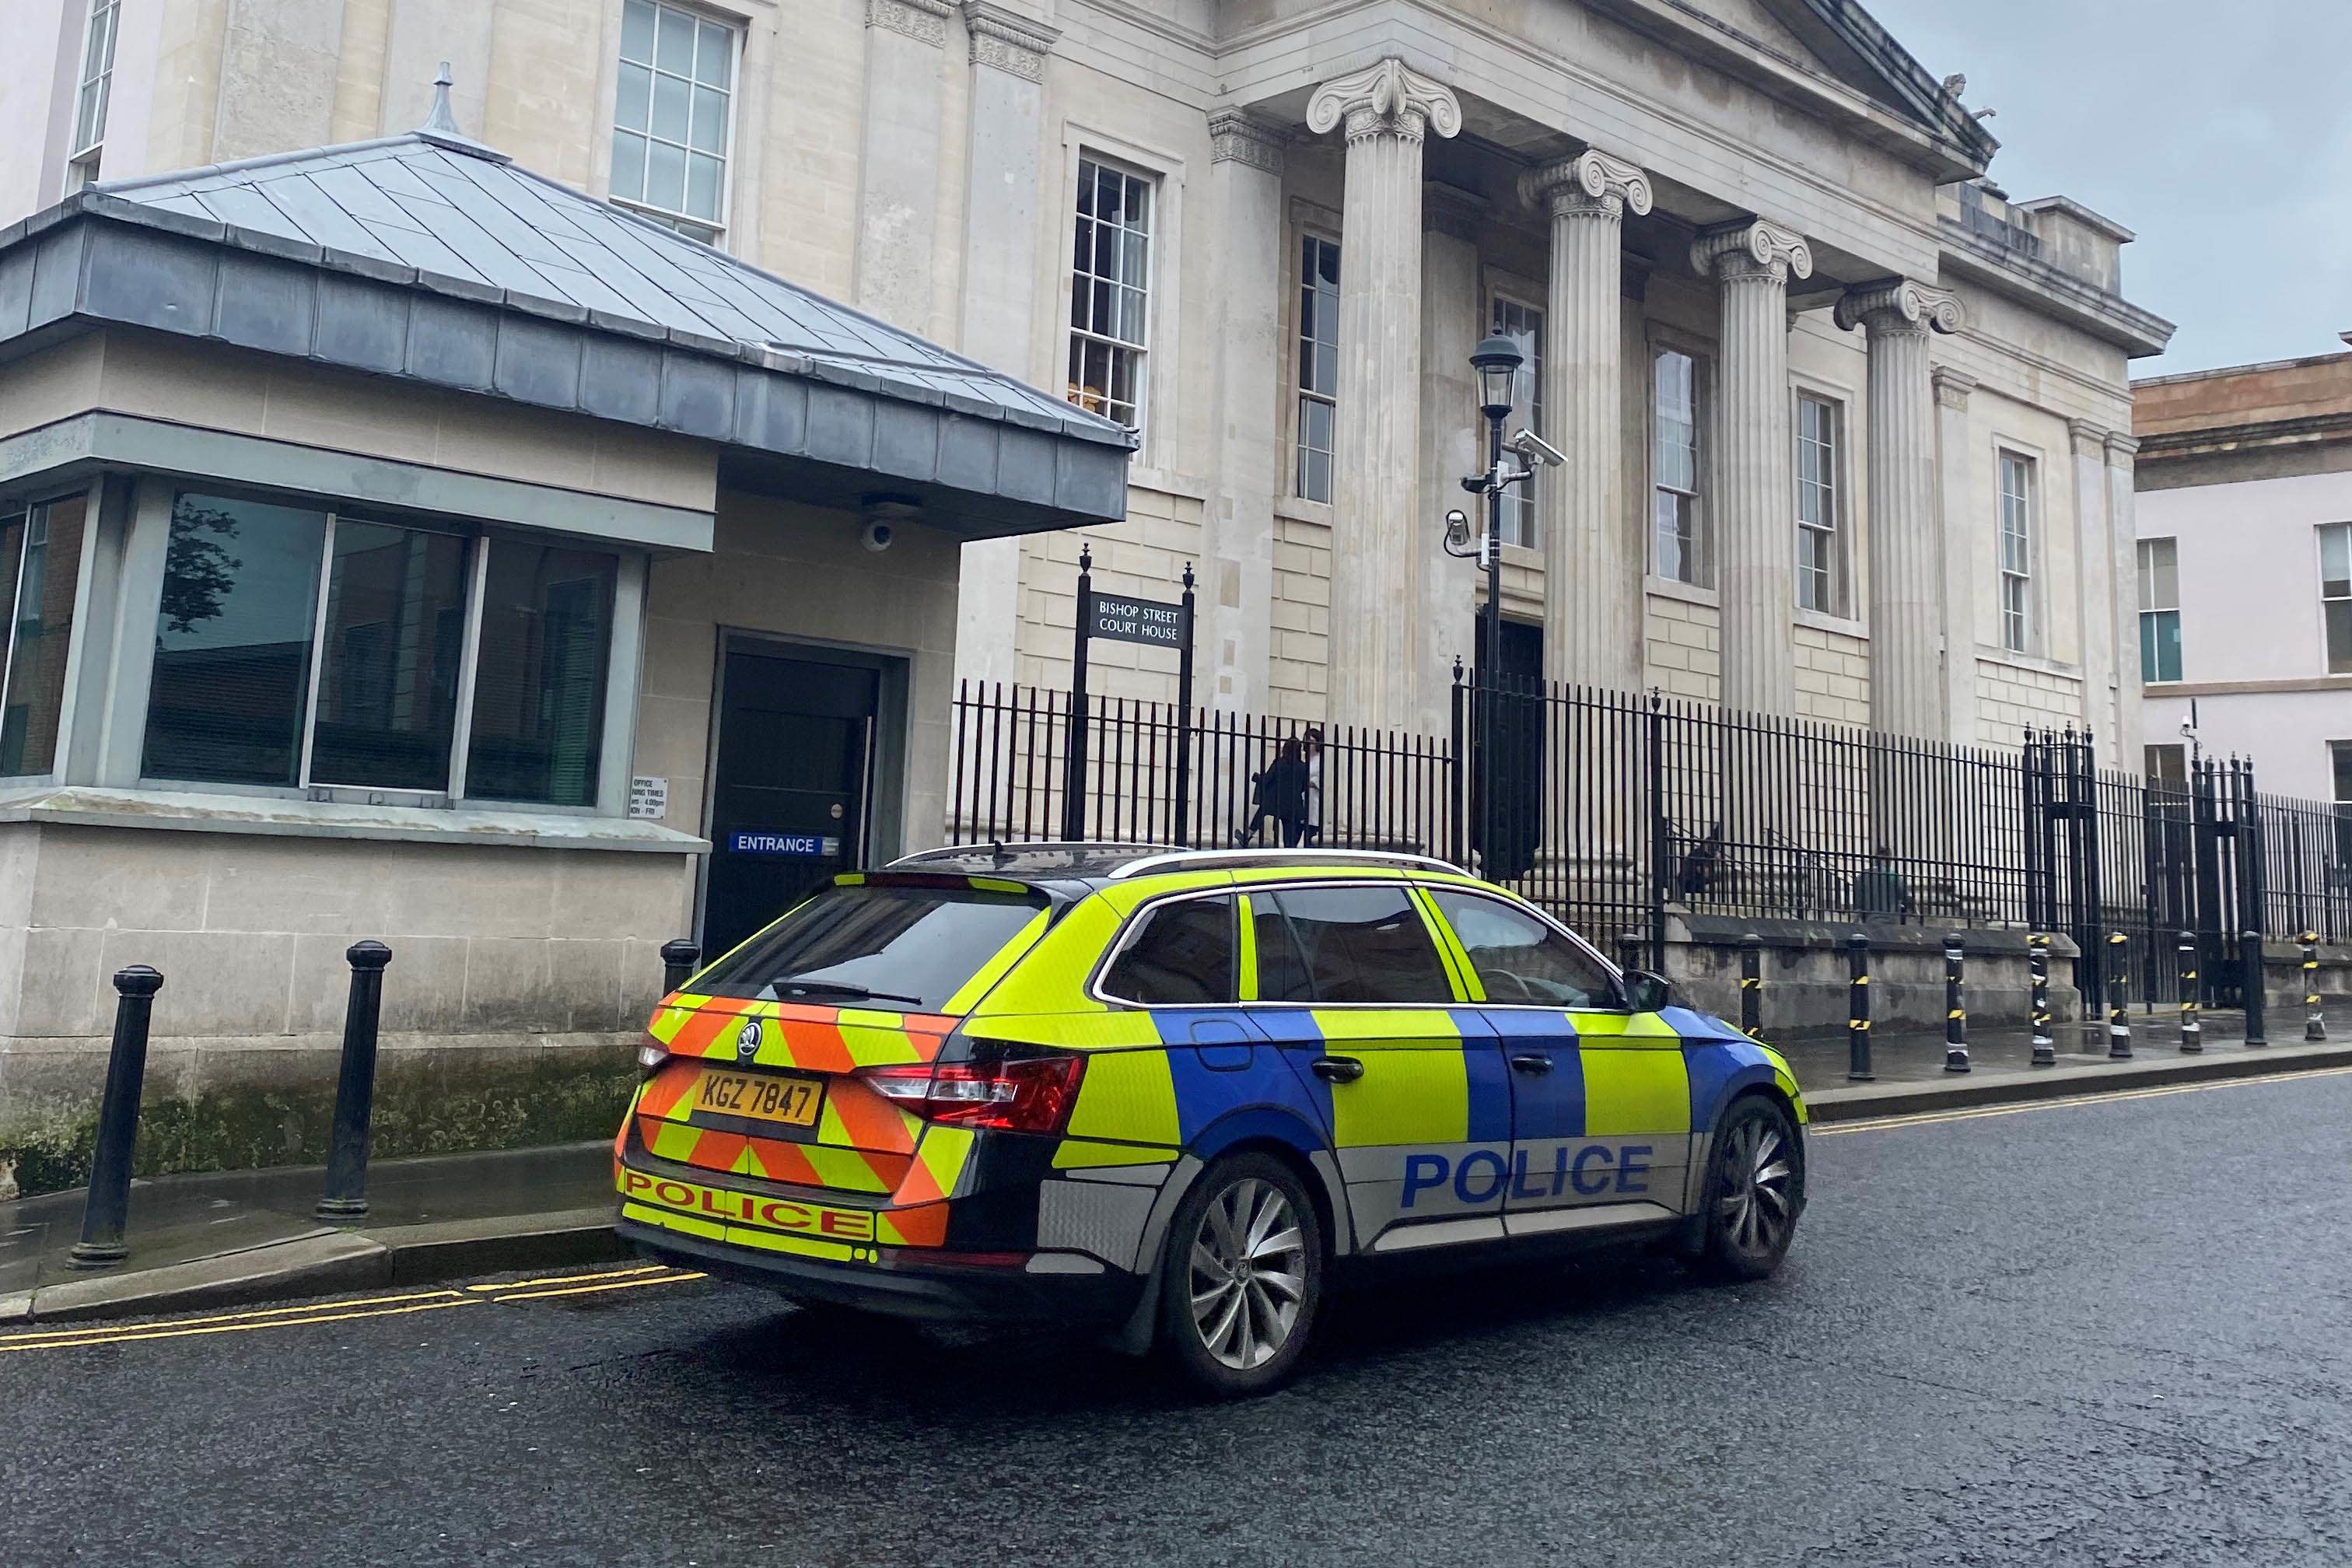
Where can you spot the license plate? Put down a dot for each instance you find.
(762, 1097)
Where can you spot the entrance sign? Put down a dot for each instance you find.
(1148, 621)
(1124, 618)
(783, 846)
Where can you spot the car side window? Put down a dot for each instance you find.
(1345, 944)
(1183, 955)
(1518, 958)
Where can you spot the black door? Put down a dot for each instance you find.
(1517, 821)
(795, 765)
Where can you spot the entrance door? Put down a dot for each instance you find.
(795, 781)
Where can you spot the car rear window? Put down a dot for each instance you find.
(900, 949)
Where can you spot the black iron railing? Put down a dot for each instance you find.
(1614, 809)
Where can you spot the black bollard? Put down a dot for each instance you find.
(347, 1155)
(680, 958)
(1955, 1012)
(2253, 985)
(2119, 1047)
(2314, 1021)
(2192, 1033)
(1857, 1009)
(1751, 987)
(2045, 1049)
(106, 1213)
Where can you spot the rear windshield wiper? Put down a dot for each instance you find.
(841, 988)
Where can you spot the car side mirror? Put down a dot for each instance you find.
(1646, 993)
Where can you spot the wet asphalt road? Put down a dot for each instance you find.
(2117, 1333)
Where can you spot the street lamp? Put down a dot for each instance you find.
(1496, 362)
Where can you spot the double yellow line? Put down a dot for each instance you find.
(343, 1311)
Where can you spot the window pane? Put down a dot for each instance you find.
(924, 943)
(2339, 636)
(637, 31)
(2335, 560)
(671, 103)
(710, 121)
(396, 631)
(1519, 959)
(628, 166)
(674, 48)
(665, 175)
(714, 55)
(44, 629)
(2342, 756)
(633, 101)
(233, 642)
(539, 689)
(1361, 944)
(702, 183)
(1184, 955)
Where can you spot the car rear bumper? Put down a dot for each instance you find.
(902, 1285)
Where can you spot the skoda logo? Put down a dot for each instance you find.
(747, 1040)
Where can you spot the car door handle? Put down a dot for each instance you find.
(1336, 1069)
(1532, 1063)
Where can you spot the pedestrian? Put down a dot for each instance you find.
(1879, 890)
(1701, 864)
(1280, 793)
(1311, 830)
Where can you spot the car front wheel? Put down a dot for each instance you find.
(1755, 1190)
(1241, 1277)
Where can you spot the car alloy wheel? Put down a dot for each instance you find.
(1759, 1203)
(1248, 1267)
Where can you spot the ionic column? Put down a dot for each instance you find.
(1964, 540)
(1591, 570)
(898, 165)
(1375, 558)
(1238, 582)
(1755, 466)
(1004, 186)
(2123, 535)
(1907, 564)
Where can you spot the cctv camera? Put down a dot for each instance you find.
(1457, 527)
(875, 535)
(1536, 450)
(883, 516)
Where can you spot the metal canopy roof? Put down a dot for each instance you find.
(433, 257)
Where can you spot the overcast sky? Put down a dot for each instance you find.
(2221, 134)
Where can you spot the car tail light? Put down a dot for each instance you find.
(1005, 1094)
(651, 1055)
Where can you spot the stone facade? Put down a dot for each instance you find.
(1662, 189)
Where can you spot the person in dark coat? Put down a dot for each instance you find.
(1280, 792)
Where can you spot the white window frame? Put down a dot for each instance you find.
(710, 231)
(2015, 575)
(2151, 612)
(1836, 536)
(2323, 534)
(1520, 511)
(1091, 155)
(1701, 549)
(94, 78)
(1305, 234)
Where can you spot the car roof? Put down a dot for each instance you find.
(1099, 864)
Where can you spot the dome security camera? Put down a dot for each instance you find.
(883, 516)
(876, 534)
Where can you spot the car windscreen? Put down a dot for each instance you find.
(900, 949)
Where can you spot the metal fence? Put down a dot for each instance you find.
(1614, 809)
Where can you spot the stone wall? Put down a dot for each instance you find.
(2011, 696)
(1685, 648)
(1833, 676)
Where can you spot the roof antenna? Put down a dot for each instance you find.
(442, 119)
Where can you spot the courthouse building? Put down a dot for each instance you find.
(1848, 431)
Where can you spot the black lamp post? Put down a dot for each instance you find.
(1497, 360)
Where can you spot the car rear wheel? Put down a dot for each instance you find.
(1755, 1190)
(1241, 1277)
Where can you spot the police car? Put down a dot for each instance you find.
(1169, 1093)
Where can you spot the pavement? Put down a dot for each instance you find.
(222, 1238)
(2032, 1335)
